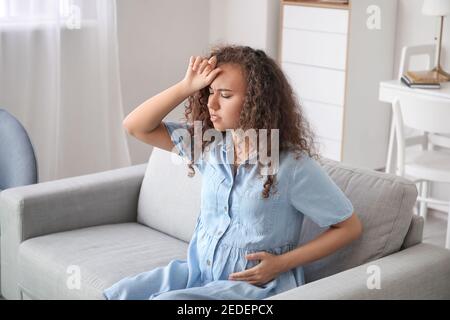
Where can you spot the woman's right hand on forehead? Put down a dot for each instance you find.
(200, 73)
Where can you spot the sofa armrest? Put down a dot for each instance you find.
(90, 200)
(419, 272)
(72, 203)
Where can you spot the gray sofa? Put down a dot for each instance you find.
(72, 238)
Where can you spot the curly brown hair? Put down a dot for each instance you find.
(270, 103)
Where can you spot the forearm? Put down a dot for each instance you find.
(324, 245)
(149, 114)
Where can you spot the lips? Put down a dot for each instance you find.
(214, 117)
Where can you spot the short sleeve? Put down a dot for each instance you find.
(316, 195)
(182, 140)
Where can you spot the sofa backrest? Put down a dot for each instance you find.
(169, 201)
(384, 203)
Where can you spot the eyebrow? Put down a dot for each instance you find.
(220, 89)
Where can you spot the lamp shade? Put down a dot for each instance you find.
(436, 7)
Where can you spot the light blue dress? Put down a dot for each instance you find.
(236, 220)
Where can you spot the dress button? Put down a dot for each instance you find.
(219, 233)
(225, 208)
(208, 262)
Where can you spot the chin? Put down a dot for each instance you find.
(218, 127)
(221, 127)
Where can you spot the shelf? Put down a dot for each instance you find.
(316, 3)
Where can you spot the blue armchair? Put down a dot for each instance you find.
(18, 166)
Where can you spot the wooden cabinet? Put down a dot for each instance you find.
(334, 56)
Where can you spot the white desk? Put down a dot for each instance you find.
(390, 89)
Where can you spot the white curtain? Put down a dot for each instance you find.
(59, 75)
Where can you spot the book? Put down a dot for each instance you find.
(335, 1)
(427, 77)
(422, 85)
(338, 2)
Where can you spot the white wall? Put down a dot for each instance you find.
(256, 23)
(156, 39)
(250, 22)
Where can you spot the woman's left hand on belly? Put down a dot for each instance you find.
(267, 270)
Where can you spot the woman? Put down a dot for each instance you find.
(244, 245)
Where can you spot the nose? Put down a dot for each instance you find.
(213, 102)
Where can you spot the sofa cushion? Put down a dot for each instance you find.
(169, 200)
(384, 203)
(103, 254)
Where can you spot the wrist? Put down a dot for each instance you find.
(284, 263)
(185, 88)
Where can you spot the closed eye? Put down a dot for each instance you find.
(226, 97)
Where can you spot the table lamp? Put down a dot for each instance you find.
(439, 8)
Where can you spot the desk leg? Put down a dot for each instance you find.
(391, 148)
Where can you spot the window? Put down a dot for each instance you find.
(44, 12)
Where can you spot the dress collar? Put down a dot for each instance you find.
(252, 159)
